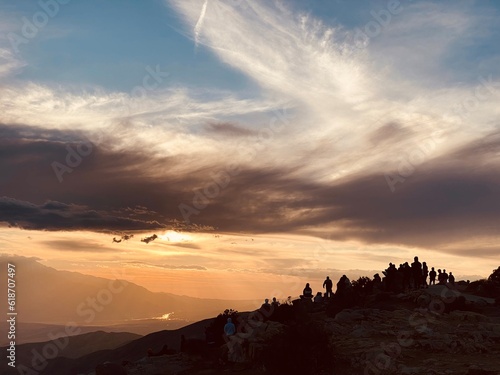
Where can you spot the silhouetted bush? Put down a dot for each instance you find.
(215, 331)
(362, 287)
(302, 348)
(494, 278)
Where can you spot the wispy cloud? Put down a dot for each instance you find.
(199, 23)
(359, 113)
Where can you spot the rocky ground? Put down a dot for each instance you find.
(412, 333)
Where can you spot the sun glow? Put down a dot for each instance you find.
(174, 236)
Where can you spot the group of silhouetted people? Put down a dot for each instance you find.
(442, 277)
(343, 286)
(414, 276)
(405, 277)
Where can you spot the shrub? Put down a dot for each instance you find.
(494, 278)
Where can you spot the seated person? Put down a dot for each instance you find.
(318, 298)
(307, 292)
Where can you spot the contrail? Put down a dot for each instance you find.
(199, 24)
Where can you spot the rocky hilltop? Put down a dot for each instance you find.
(437, 330)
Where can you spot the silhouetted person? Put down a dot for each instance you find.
(425, 273)
(432, 277)
(451, 279)
(416, 270)
(400, 277)
(343, 285)
(390, 278)
(376, 279)
(318, 298)
(445, 277)
(229, 328)
(328, 284)
(266, 308)
(307, 292)
(407, 271)
(440, 276)
(275, 303)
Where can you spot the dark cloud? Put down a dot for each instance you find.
(229, 130)
(390, 132)
(59, 216)
(149, 239)
(85, 246)
(445, 201)
(125, 237)
(185, 245)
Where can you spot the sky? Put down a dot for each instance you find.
(265, 143)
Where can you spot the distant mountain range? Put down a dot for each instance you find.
(68, 347)
(82, 353)
(73, 301)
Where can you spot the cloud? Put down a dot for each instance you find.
(229, 130)
(169, 266)
(443, 203)
(357, 116)
(199, 23)
(9, 63)
(342, 94)
(77, 246)
(60, 216)
(149, 239)
(186, 245)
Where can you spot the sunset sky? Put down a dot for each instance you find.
(266, 143)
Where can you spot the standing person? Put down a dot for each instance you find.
(328, 284)
(390, 278)
(406, 276)
(451, 279)
(425, 273)
(432, 277)
(440, 276)
(445, 277)
(416, 268)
